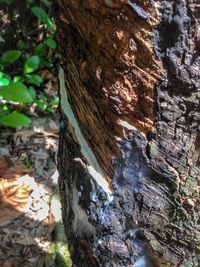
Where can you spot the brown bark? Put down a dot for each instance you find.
(132, 79)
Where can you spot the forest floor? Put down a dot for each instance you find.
(31, 235)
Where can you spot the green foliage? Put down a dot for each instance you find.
(42, 15)
(41, 49)
(34, 79)
(31, 64)
(16, 92)
(51, 43)
(15, 119)
(20, 72)
(44, 105)
(27, 162)
(4, 81)
(10, 56)
(62, 254)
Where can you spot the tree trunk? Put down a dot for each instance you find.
(130, 135)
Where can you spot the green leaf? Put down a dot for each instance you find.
(51, 43)
(32, 92)
(7, 76)
(10, 56)
(51, 110)
(18, 78)
(4, 81)
(31, 64)
(42, 98)
(40, 104)
(34, 79)
(54, 101)
(15, 119)
(16, 92)
(4, 108)
(1, 74)
(42, 15)
(41, 49)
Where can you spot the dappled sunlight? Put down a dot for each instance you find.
(31, 217)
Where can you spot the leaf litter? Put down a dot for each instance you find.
(28, 178)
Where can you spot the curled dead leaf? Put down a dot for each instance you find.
(14, 198)
(15, 190)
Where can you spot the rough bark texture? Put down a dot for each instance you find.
(133, 81)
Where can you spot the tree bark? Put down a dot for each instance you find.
(130, 134)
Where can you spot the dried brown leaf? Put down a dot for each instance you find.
(14, 198)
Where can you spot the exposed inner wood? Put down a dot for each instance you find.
(111, 77)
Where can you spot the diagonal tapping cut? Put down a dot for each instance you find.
(93, 167)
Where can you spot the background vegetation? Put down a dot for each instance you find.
(22, 62)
